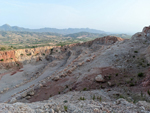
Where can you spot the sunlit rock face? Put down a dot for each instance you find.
(146, 31)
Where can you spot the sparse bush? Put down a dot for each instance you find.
(132, 84)
(52, 50)
(81, 98)
(116, 74)
(3, 48)
(84, 89)
(2, 60)
(65, 108)
(135, 51)
(21, 54)
(148, 92)
(93, 97)
(121, 96)
(131, 79)
(66, 86)
(29, 54)
(109, 77)
(140, 74)
(65, 101)
(99, 98)
(17, 64)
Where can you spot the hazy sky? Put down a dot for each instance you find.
(122, 16)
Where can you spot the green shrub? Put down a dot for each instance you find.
(81, 98)
(93, 97)
(135, 51)
(29, 54)
(2, 60)
(132, 84)
(65, 101)
(66, 86)
(3, 48)
(148, 92)
(65, 108)
(140, 74)
(84, 89)
(99, 98)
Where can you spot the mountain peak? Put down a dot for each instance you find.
(6, 25)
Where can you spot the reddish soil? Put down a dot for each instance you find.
(117, 78)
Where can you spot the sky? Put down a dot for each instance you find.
(117, 16)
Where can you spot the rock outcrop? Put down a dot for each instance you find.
(78, 102)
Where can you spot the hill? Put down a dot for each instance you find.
(94, 35)
(24, 39)
(107, 74)
(7, 27)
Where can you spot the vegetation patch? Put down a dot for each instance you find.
(81, 98)
(65, 108)
(140, 74)
(29, 54)
(135, 51)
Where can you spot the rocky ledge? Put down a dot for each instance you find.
(96, 101)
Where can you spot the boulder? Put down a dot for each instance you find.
(31, 93)
(51, 111)
(99, 78)
(56, 78)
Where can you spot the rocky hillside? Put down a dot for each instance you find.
(84, 77)
(17, 58)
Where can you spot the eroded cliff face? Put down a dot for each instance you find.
(16, 58)
(73, 65)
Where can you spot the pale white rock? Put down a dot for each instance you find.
(56, 78)
(51, 111)
(99, 78)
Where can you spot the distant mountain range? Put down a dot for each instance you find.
(95, 35)
(7, 27)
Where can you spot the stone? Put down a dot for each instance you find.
(28, 97)
(109, 83)
(31, 93)
(99, 78)
(40, 85)
(51, 111)
(13, 100)
(24, 94)
(96, 110)
(56, 78)
(57, 109)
